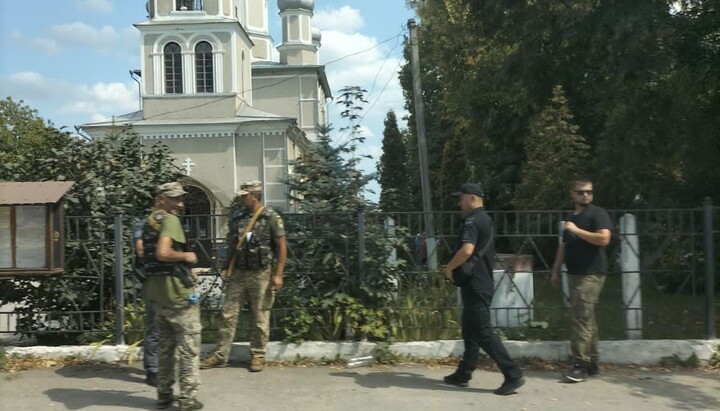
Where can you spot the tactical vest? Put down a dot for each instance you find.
(153, 266)
(258, 252)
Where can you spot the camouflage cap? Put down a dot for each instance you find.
(252, 186)
(174, 189)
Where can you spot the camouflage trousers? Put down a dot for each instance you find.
(178, 329)
(254, 288)
(584, 295)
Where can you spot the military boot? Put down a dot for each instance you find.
(190, 404)
(212, 361)
(165, 400)
(257, 364)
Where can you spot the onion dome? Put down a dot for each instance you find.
(296, 4)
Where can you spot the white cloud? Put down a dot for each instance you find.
(81, 34)
(101, 6)
(61, 99)
(374, 68)
(106, 39)
(103, 99)
(345, 19)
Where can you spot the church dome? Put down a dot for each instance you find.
(296, 4)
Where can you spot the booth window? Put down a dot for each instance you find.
(31, 231)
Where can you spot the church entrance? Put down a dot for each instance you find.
(198, 221)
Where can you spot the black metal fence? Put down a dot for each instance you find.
(661, 284)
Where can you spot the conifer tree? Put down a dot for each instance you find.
(391, 168)
(555, 152)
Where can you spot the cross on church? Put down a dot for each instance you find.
(188, 166)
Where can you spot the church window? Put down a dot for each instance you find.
(173, 69)
(188, 5)
(204, 67)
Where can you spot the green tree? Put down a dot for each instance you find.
(112, 175)
(332, 288)
(555, 152)
(392, 167)
(25, 140)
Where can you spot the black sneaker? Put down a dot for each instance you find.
(459, 378)
(593, 369)
(576, 374)
(510, 386)
(151, 379)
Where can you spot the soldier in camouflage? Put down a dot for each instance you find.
(170, 288)
(249, 275)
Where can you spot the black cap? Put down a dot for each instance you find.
(469, 188)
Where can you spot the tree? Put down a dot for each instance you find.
(330, 292)
(555, 152)
(391, 168)
(25, 140)
(642, 78)
(113, 175)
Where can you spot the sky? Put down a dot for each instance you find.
(71, 59)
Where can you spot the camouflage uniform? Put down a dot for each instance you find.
(177, 314)
(584, 296)
(250, 281)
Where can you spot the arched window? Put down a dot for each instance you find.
(188, 5)
(173, 68)
(204, 67)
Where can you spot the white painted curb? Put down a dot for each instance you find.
(640, 352)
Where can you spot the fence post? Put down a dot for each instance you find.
(708, 232)
(119, 283)
(630, 268)
(564, 273)
(361, 249)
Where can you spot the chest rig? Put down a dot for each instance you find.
(256, 252)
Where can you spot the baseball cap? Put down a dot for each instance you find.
(173, 189)
(469, 188)
(252, 186)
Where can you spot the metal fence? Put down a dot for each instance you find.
(661, 284)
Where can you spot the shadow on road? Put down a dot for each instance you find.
(384, 379)
(77, 399)
(105, 371)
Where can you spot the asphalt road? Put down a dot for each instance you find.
(105, 387)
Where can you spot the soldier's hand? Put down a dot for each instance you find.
(191, 258)
(277, 282)
(225, 274)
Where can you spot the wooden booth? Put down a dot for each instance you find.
(31, 228)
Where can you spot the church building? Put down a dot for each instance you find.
(212, 93)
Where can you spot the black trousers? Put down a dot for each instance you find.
(477, 333)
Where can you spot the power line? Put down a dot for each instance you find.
(278, 82)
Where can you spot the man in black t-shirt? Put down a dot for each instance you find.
(476, 251)
(586, 233)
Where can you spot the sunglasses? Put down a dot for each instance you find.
(583, 192)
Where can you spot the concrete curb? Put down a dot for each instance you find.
(639, 352)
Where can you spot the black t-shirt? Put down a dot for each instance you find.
(477, 229)
(582, 257)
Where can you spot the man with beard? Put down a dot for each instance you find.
(586, 233)
(256, 237)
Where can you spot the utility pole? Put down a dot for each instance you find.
(422, 149)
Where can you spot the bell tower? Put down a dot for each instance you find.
(256, 25)
(298, 46)
(196, 58)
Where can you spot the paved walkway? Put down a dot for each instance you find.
(413, 387)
